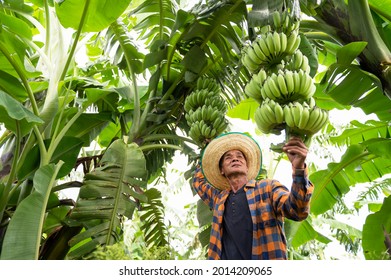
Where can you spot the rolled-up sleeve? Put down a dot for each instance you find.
(206, 192)
(294, 204)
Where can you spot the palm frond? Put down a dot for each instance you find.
(159, 19)
(152, 217)
(372, 194)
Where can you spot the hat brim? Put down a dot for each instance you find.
(230, 141)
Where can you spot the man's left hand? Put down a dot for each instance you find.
(296, 151)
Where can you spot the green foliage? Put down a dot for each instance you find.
(116, 251)
(376, 233)
(27, 221)
(109, 193)
(152, 218)
(98, 14)
(158, 253)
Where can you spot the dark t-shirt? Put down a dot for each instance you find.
(237, 228)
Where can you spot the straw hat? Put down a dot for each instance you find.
(224, 143)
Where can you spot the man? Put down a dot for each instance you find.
(248, 214)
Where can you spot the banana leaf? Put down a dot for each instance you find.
(108, 196)
(100, 13)
(24, 232)
(375, 231)
(12, 111)
(357, 165)
(367, 93)
(298, 233)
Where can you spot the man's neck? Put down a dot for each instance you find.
(237, 182)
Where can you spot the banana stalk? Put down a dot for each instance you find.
(365, 29)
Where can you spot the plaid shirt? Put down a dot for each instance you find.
(269, 202)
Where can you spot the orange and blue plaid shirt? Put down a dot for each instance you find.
(269, 202)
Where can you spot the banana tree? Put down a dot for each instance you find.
(127, 100)
(43, 140)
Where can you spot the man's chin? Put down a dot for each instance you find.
(237, 173)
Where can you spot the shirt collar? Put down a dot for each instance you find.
(251, 183)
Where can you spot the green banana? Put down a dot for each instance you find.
(273, 86)
(311, 90)
(293, 42)
(305, 66)
(214, 115)
(288, 76)
(268, 113)
(206, 131)
(258, 51)
(199, 83)
(222, 126)
(288, 117)
(296, 109)
(261, 40)
(286, 22)
(311, 102)
(249, 64)
(305, 83)
(253, 56)
(276, 43)
(260, 120)
(284, 42)
(322, 120)
(260, 77)
(282, 84)
(279, 113)
(307, 87)
(313, 118)
(253, 90)
(318, 123)
(276, 20)
(297, 60)
(270, 102)
(208, 84)
(218, 103)
(190, 101)
(297, 82)
(304, 117)
(270, 44)
(195, 132)
(266, 91)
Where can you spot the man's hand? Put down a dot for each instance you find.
(296, 151)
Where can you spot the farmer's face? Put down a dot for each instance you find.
(233, 162)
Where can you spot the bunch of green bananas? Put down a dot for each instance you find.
(205, 111)
(288, 85)
(280, 80)
(269, 48)
(269, 117)
(298, 61)
(301, 117)
(283, 22)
